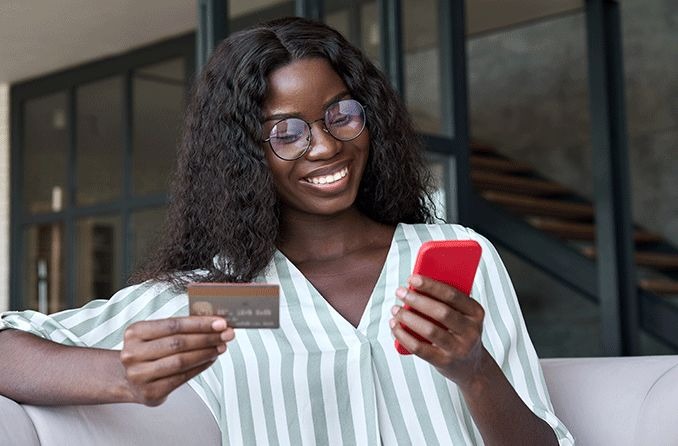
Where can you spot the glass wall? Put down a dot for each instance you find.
(47, 137)
(99, 142)
(45, 173)
(529, 98)
(158, 92)
(144, 228)
(358, 21)
(43, 282)
(422, 63)
(98, 259)
(97, 147)
(529, 109)
(650, 36)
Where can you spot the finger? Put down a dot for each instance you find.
(171, 365)
(422, 349)
(156, 392)
(445, 293)
(423, 327)
(449, 317)
(169, 345)
(147, 330)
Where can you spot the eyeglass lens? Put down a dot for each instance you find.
(291, 137)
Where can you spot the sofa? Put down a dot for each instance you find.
(604, 401)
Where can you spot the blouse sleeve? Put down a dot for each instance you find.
(101, 323)
(505, 337)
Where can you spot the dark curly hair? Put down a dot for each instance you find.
(223, 200)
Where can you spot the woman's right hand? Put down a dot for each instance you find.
(160, 355)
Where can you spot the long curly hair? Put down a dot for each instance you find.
(223, 212)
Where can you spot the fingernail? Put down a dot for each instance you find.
(221, 348)
(395, 310)
(416, 281)
(392, 323)
(225, 335)
(219, 324)
(401, 292)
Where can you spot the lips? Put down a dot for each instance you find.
(328, 178)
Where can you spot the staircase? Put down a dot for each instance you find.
(552, 227)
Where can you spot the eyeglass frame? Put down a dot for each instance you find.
(324, 128)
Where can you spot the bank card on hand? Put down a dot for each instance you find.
(243, 305)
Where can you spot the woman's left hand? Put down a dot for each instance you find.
(456, 349)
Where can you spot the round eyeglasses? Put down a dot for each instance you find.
(290, 138)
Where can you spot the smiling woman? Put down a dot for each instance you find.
(299, 167)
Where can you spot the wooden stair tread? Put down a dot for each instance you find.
(498, 180)
(658, 260)
(508, 183)
(481, 162)
(477, 147)
(659, 286)
(582, 231)
(540, 206)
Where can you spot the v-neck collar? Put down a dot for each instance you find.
(374, 298)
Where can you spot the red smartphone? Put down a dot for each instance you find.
(453, 262)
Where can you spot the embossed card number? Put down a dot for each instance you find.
(251, 305)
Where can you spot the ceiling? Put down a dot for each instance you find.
(39, 36)
(486, 15)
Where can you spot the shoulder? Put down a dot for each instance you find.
(426, 232)
(148, 287)
(159, 288)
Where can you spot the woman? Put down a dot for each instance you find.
(299, 166)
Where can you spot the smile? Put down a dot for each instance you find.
(328, 179)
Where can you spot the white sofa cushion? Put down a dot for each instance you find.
(616, 401)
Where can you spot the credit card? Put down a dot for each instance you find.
(243, 305)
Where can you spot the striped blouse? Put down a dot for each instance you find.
(318, 380)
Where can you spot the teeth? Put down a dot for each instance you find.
(328, 179)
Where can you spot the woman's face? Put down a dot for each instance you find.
(325, 180)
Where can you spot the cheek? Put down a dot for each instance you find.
(364, 140)
(278, 170)
(273, 164)
(365, 146)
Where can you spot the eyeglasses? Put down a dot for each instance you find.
(290, 138)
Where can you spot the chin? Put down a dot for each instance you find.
(324, 207)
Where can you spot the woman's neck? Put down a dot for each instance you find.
(305, 237)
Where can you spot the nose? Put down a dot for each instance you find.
(323, 145)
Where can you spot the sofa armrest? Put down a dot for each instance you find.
(15, 424)
(182, 419)
(620, 401)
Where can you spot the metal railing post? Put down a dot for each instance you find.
(212, 28)
(454, 102)
(614, 238)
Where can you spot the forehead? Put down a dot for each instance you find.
(302, 87)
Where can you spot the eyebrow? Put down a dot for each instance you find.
(280, 116)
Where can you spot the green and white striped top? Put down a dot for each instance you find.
(318, 380)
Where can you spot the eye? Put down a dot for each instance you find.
(285, 139)
(346, 112)
(340, 120)
(287, 131)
